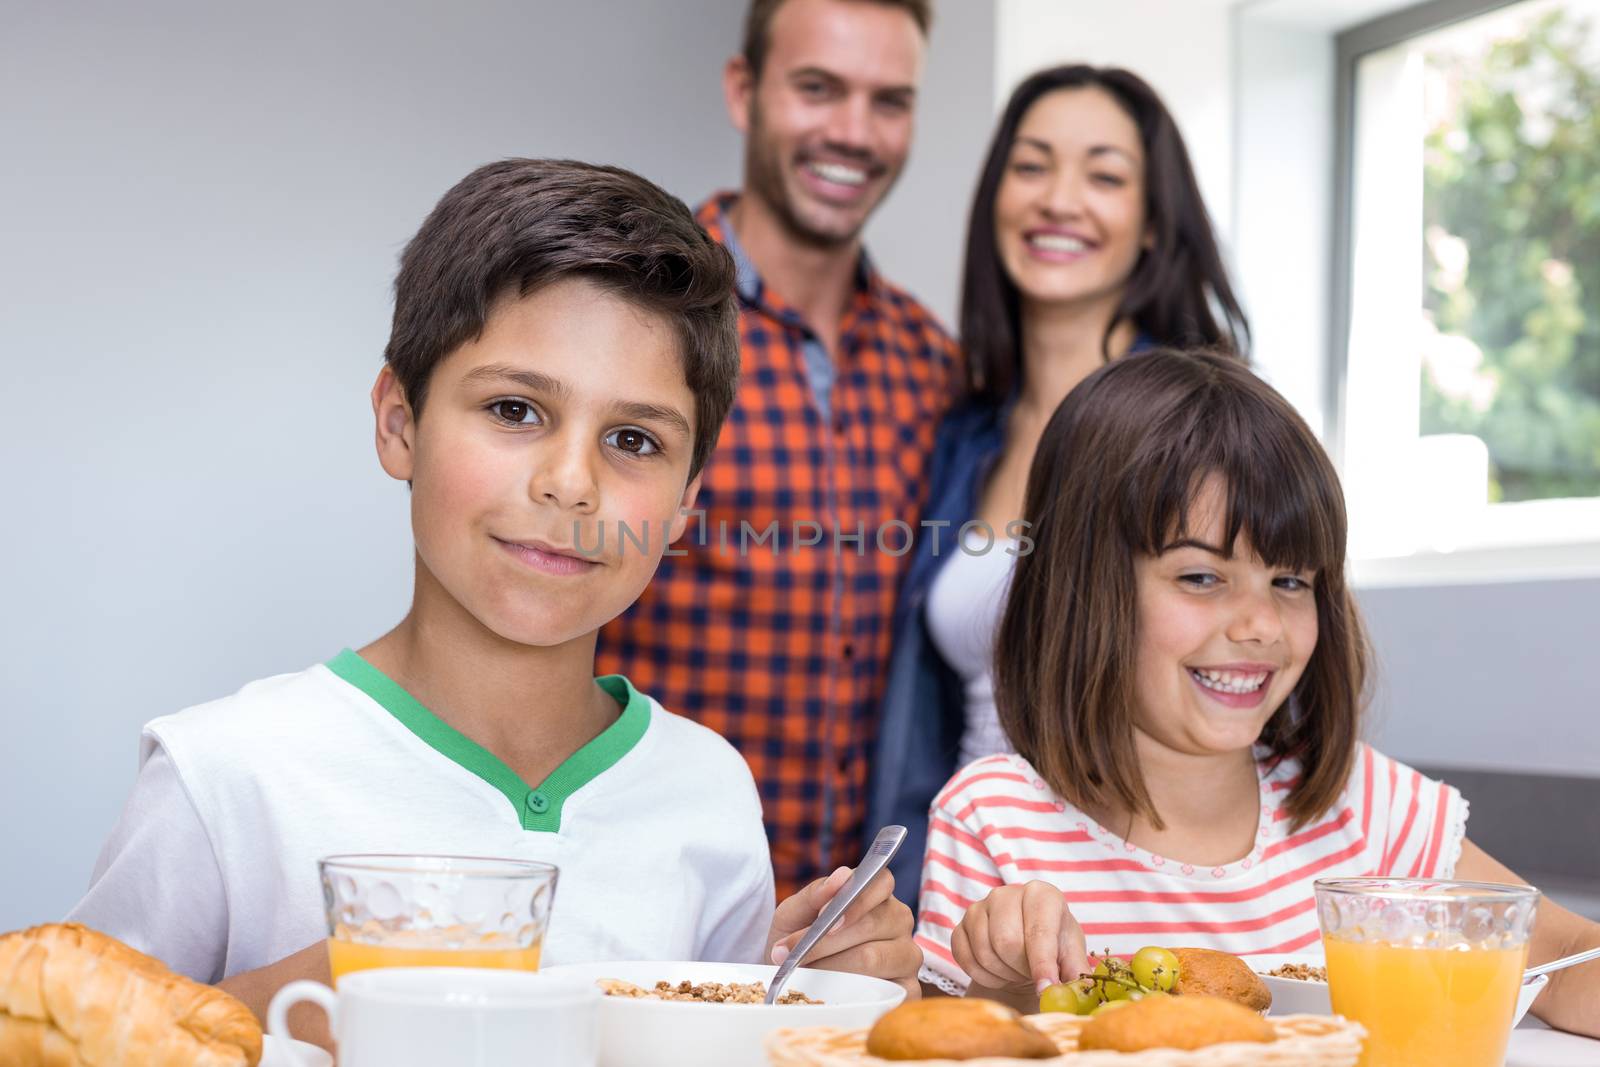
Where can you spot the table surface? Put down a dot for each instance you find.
(1535, 1045)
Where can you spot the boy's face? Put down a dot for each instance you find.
(567, 418)
(828, 125)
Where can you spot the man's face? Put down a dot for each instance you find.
(567, 418)
(828, 124)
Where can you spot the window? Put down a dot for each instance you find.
(1471, 392)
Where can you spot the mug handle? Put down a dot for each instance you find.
(288, 997)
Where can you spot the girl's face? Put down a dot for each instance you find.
(1069, 212)
(1222, 642)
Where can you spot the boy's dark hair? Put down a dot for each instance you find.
(1115, 477)
(1178, 293)
(758, 26)
(514, 226)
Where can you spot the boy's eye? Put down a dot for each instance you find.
(632, 441)
(517, 412)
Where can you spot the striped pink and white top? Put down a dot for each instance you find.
(996, 823)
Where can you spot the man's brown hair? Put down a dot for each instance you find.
(514, 226)
(758, 26)
(1115, 477)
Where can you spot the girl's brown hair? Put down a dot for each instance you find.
(1115, 477)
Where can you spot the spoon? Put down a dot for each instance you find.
(882, 850)
(1562, 964)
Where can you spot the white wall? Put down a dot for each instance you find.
(202, 206)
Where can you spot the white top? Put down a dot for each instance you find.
(998, 823)
(963, 610)
(655, 825)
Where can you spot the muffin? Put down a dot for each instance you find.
(946, 1028)
(1187, 1022)
(1207, 972)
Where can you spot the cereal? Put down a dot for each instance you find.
(702, 992)
(1300, 972)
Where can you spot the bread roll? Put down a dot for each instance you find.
(1207, 972)
(956, 1028)
(72, 997)
(1188, 1022)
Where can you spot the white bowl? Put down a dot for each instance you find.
(648, 1033)
(1291, 996)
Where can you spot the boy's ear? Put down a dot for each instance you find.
(686, 505)
(738, 87)
(395, 426)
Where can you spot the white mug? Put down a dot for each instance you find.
(429, 1016)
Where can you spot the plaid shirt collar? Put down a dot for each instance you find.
(713, 216)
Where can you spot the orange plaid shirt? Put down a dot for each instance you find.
(779, 645)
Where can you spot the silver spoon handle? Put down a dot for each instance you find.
(1562, 964)
(882, 850)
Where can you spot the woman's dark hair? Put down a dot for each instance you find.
(519, 224)
(1115, 478)
(1179, 292)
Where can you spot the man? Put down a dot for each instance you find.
(770, 620)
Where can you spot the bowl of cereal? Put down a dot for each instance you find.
(711, 1014)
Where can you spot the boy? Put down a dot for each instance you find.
(562, 356)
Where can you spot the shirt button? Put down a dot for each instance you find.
(848, 651)
(538, 803)
(838, 424)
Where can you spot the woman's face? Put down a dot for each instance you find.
(1069, 214)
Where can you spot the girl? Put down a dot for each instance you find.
(1182, 668)
(1088, 239)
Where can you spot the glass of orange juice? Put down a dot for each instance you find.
(435, 911)
(1431, 969)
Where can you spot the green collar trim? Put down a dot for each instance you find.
(538, 807)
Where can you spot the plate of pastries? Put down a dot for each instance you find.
(1165, 1008)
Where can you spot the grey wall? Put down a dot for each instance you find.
(201, 206)
(1490, 677)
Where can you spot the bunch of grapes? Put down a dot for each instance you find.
(1153, 972)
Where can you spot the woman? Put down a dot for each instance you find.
(1088, 240)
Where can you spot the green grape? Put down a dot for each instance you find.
(1076, 998)
(1109, 1005)
(1117, 989)
(1155, 968)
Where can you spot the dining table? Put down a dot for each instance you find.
(1533, 1044)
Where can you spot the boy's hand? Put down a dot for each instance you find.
(1019, 939)
(873, 937)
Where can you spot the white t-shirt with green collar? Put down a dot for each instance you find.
(655, 824)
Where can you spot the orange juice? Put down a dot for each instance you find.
(346, 957)
(1425, 1006)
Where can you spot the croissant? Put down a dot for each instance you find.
(72, 997)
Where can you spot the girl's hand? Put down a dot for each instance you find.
(1019, 939)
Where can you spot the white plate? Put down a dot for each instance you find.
(650, 1033)
(274, 1053)
(1290, 996)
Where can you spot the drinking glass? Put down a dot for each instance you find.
(1431, 969)
(435, 911)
